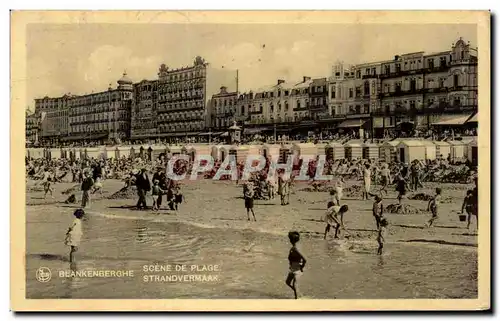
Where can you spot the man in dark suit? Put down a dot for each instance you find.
(160, 177)
(143, 186)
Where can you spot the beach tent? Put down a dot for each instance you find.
(353, 149)
(254, 149)
(410, 150)
(370, 151)
(443, 149)
(321, 148)
(458, 150)
(472, 152)
(199, 149)
(157, 151)
(389, 151)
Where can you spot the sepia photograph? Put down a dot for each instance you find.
(326, 157)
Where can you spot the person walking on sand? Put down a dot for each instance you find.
(400, 188)
(74, 234)
(385, 178)
(87, 184)
(249, 194)
(296, 262)
(382, 234)
(47, 187)
(433, 207)
(367, 181)
(143, 186)
(156, 191)
(284, 190)
(469, 207)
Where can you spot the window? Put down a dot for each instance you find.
(333, 93)
(298, 104)
(441, 82)
(413, 84)
(367, 88)
(442, 62)
(387, 70)
(412, 104)
(351, 92)
(358, 73)
(398, 67)
(398, 86)
(455, 81)
(271, 108)
(374, 71)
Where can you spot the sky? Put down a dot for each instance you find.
(81, 58)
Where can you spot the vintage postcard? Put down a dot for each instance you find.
(239, 161)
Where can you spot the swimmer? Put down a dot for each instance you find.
(332, 218)
(296, 264)
(378, 210)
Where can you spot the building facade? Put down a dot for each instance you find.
(415, 88)
(318, 98)
(53, 117)
(103, 116)
(32, 128)
(223, 111)
(143, 120)
(184, 94)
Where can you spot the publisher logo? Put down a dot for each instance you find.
(43, 274)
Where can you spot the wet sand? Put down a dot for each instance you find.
(212, 228)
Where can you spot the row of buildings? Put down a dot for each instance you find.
(416, 88)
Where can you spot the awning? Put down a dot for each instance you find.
(251, 131)
(473, 119)
(352, 123)
(225, 134)
(460, 120)
(210, 133)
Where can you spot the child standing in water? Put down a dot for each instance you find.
(433, 206)
(378, 210)
(74, 234)
(382, 232)
(296, 264)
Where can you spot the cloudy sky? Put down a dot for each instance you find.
(81, 58)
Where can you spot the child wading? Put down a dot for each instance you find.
(433, 206)
(296, 264)
(332, 218)
(382, 232)
(74, 234)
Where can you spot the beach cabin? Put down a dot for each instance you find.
(472, 152)
(410, 150)
(35, 153)
(304, 149)
(93, 152)
(226, 150)
(458, 150)
(371, 151)
(55, 153)
(122, 151)
(215, 152)
(388, 151)
(64, 153)
(270, 150)
(336, 149)
(353, 150)
(157, 151)
(254, 149)
(173, 150)
(199, 149)
(443, 149)
(284, 151)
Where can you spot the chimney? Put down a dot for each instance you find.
(396, 57)
(223, 89)
(305, 78)
(280, 81)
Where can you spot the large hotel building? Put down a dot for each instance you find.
(418, 88)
